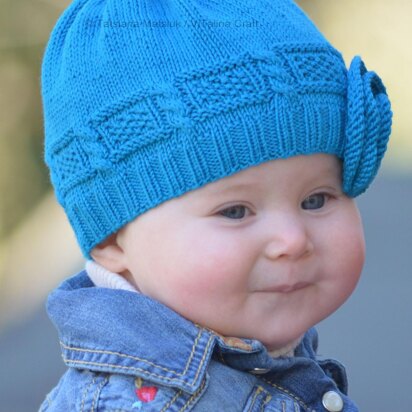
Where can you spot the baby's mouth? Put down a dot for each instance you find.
(286, 288)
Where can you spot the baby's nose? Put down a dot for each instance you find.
(290, 239)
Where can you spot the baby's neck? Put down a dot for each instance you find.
(287, 350)
(103, 278)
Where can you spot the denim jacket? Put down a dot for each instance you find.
(127, 352)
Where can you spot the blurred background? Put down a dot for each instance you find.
(371, 334)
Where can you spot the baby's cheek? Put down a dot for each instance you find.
(215, 260)
(211, 283)
(209, 277)
(348, 266)
(349, 241)
(355, 251)
(343, 256)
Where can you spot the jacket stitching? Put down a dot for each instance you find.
(194, 396)
(259, 391)
(98, 390)
(268, 398)
(280, 388)
(137, 358)
(85, 393)
(109, 365)
(202, 361)
(171, 402)
(255, 395)
(78, 362)
(296, 407)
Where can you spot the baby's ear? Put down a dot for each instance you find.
(109, 254)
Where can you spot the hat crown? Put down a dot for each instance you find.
(101, 51)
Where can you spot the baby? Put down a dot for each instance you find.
(209, 172)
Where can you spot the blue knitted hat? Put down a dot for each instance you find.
(145, 100)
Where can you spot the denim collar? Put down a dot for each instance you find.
(118, 331)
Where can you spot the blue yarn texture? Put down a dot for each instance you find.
(146, 100)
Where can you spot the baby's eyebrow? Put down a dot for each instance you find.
(229, 188)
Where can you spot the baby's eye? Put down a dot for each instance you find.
(315, 201)
(234, 212)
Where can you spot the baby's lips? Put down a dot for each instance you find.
(368, 126)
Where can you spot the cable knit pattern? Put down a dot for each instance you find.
(368, 127)
(144, 101)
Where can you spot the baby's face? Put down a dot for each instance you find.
(263, 254)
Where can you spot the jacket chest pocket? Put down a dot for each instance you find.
(262, 400)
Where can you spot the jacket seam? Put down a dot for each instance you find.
(98, 390)
(191, 399)
(267, 400)
(85, 393)
(171, 402)
(106, 352)
(114, 366)
(284, 390)
(296, 407)
(260, 390)
(255, 395)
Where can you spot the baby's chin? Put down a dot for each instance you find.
(281, 338)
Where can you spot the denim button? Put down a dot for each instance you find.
(332, 401)
(259, 371)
